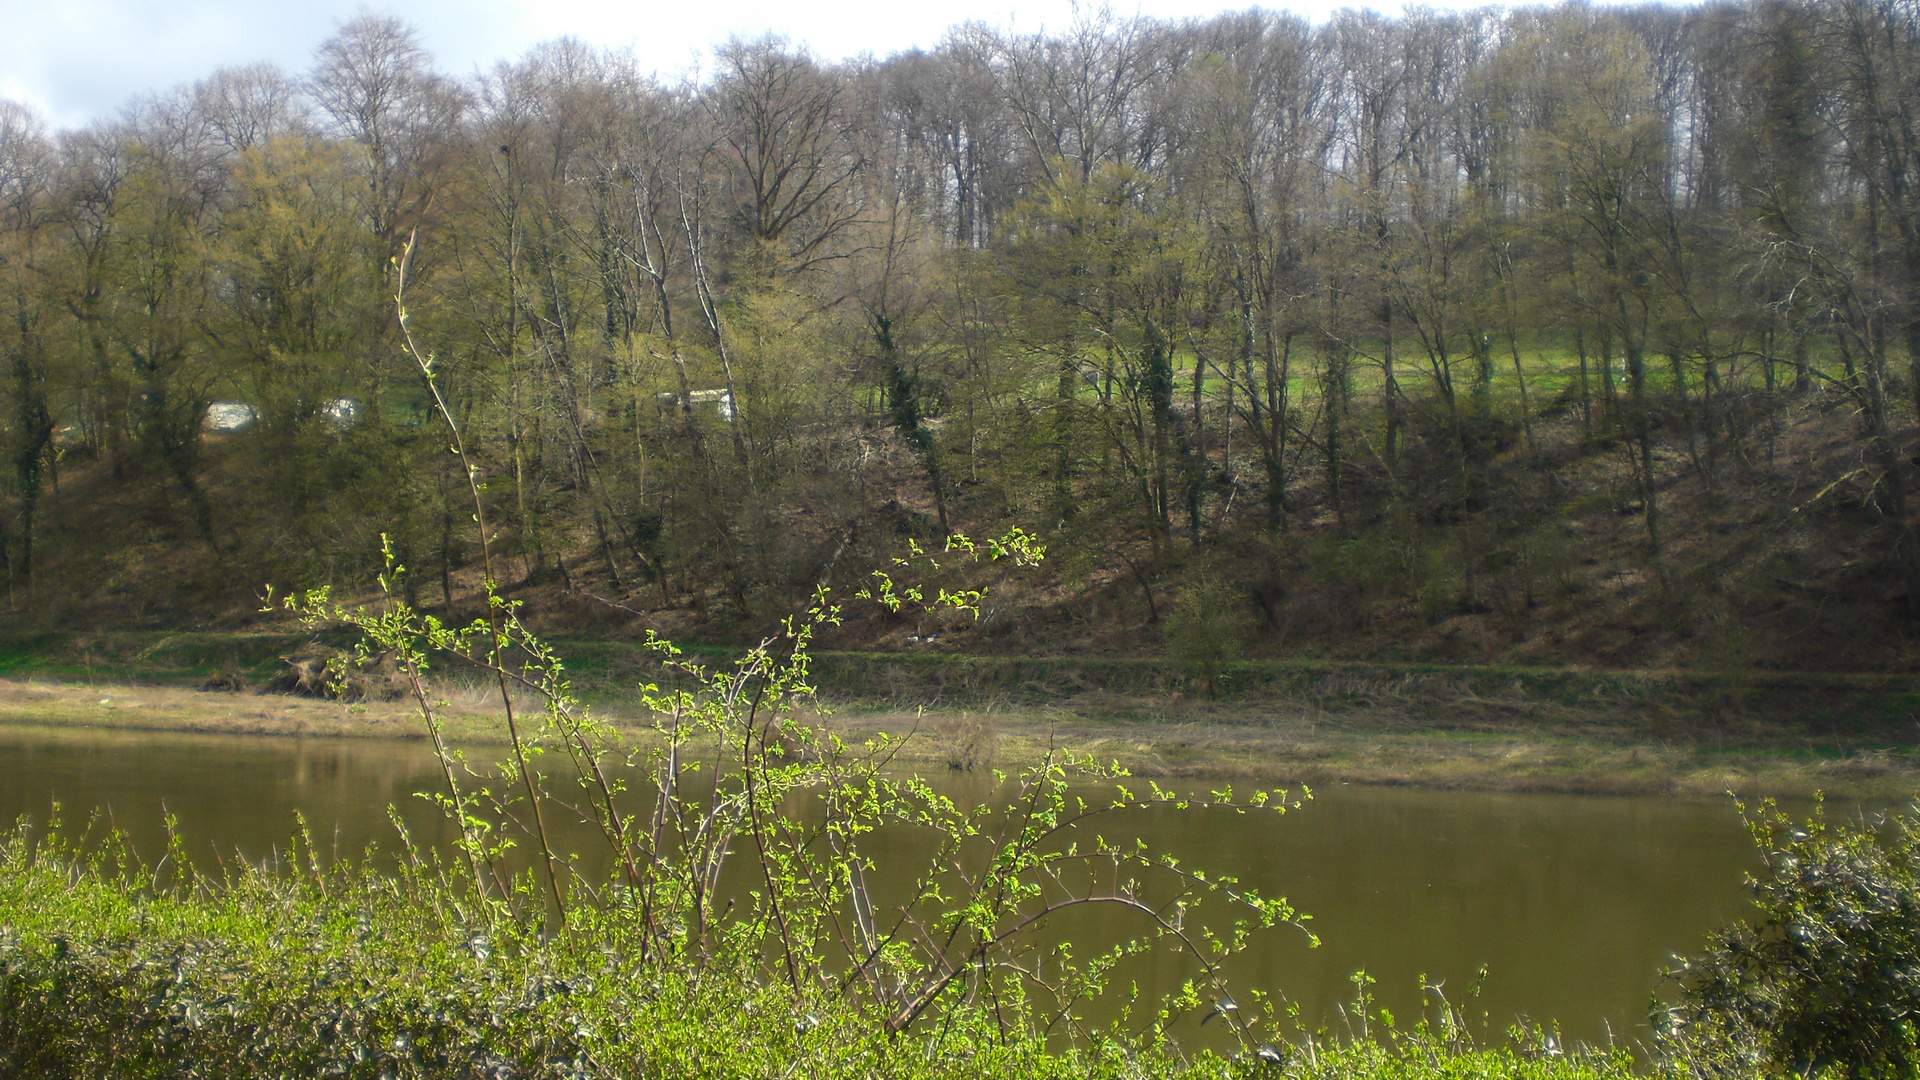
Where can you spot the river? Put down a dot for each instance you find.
(1572, 903)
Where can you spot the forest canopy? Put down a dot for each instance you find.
(1565, 333)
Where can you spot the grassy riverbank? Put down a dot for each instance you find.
(284, 971)
(1508, 746)
(1827, 704)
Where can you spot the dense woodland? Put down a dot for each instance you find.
(1560, 334)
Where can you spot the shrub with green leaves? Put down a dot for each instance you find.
(1826, 981)
(732, 768)
(292, 970)
(111, 971)
(1206, 629)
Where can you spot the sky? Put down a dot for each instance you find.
(81, 60)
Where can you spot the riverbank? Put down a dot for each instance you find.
(288, 970)
(1277, 743)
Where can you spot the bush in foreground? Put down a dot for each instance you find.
(290, 970)
(1827, 980)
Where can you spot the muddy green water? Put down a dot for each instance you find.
(1572, 903)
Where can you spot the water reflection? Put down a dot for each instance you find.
(1573, 903)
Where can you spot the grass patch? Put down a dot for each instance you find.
(286, 969)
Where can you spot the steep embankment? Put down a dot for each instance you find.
(1775, 558)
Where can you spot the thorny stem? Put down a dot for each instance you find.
(425, 364)
(440, 753)
(759, 836)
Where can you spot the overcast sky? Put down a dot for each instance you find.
(77, 60)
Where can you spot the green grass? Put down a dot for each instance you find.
(291, 971)
(1551, 367)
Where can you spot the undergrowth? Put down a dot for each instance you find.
(290, 968)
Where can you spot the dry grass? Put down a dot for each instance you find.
(1281, 744)
(966, 740)
(165, 708)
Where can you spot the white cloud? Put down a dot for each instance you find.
(78, 60)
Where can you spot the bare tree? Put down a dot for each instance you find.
(377, 85)
(783, 127)
(944, 107)
(1078, 98)
(250, 106)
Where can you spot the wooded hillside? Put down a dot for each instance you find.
(1564, 334)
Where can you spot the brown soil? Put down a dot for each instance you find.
(1766, 564)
